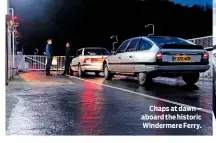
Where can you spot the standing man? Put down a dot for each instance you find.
(68, 58)
(49, 56)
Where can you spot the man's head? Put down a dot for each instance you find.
(49, 41)
(67, 44)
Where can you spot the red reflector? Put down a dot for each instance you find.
(93, 60)
(205, 55)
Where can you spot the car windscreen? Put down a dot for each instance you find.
(161, 41)
(96, 52)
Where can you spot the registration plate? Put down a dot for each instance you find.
(182, 59)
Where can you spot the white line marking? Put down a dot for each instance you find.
(147, 96)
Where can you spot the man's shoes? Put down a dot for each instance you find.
(63, 74)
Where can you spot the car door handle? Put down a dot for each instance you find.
(130, 56)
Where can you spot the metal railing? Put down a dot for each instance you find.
(38, 63)
(206, 41)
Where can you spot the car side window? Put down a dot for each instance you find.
(79, 53)
(144, 45)
(123, 47)
(132, 46)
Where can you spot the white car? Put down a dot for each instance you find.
(89, 59)
(153, 56)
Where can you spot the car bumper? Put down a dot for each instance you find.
(92, 67)
(178, 68)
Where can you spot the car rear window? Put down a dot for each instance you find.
(96, 52)
(160, 41)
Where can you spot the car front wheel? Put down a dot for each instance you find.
(191, 79)
(107, 74)
(144, 78)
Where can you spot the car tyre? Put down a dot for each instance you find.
(191, 79)
(71, 72)
(80, 72)
(144, 78)
(107, 74)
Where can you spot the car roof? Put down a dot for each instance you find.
(160, 37)
(152, 37)
(91, 48)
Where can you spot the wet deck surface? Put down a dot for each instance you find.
(58, 105)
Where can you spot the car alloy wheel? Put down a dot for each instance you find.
(144, 78)
(141, 78)
(107, 74)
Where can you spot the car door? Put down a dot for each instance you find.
(144, 55)
(127, 57)
(114, 60)
(76, 60)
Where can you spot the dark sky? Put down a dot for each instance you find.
(92, 22)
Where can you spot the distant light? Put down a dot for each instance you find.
(15, 18)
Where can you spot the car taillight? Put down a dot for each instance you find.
(93, 60)
(205, 56)
(87, 60)
(159, 56)
(100, 60)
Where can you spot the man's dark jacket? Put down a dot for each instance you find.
(68, 52)
(49, 50)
